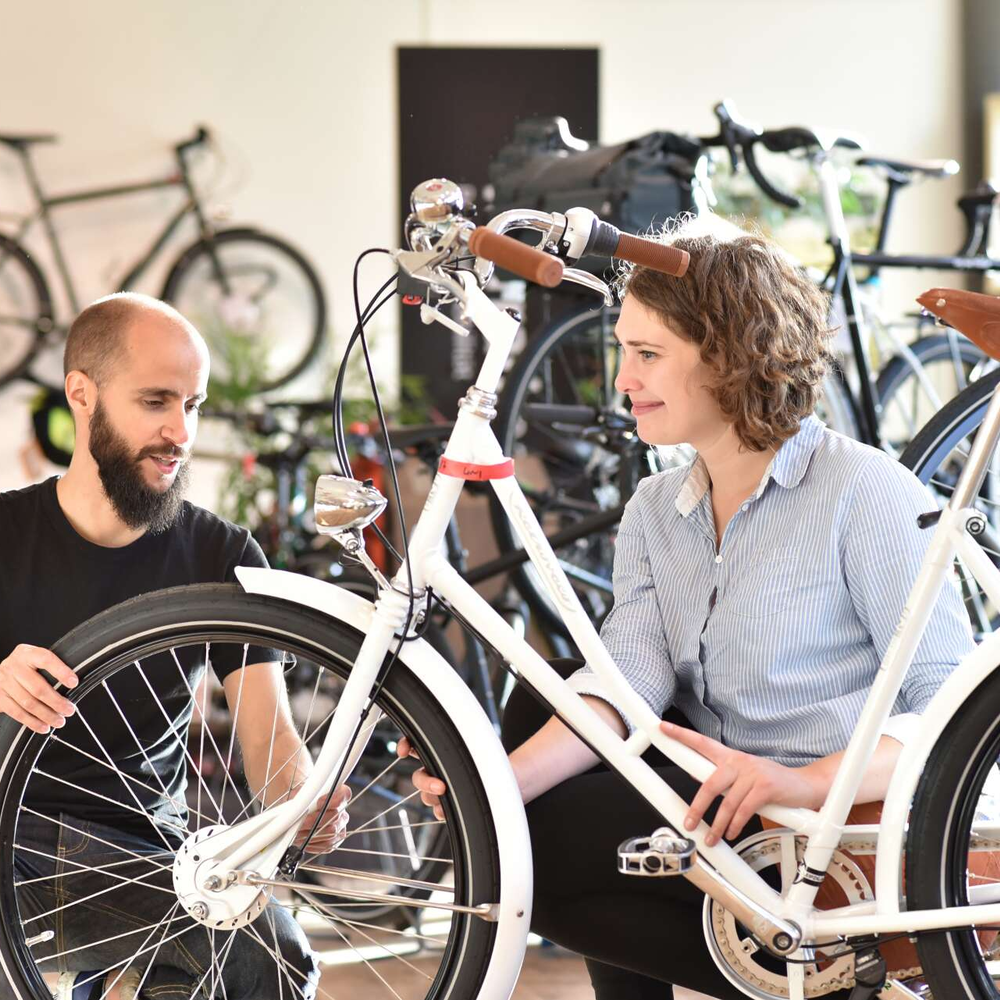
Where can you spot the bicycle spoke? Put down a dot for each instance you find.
(389, 854)
(91, 836)
(364, 960)
(395, 826)
(251, 931)
(183, 746)
(205, 730)
(108, 987)
(121, 805)
(141, 748)
(83, 868)
(114, 888)
(368, 937)
(120, 773)
(118, 937)
(236, 711)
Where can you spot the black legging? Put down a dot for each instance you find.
(638, 935)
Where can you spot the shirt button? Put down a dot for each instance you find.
(746, 506)
(718, 559)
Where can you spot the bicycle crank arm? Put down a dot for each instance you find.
(779, 936)
(485, 911)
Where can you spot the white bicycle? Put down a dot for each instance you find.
(225, 862)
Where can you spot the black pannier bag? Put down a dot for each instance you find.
(634, 185)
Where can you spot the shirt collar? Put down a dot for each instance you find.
(786, 468)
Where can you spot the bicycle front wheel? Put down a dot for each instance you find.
(946, 858)
(258, 303)
(86, 884)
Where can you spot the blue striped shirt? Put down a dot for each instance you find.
(771, 643)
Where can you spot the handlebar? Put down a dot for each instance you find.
(740, 137)
(508, 253)
(200, 137)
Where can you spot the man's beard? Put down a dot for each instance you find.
(135, 502)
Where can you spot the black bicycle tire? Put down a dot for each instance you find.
(941, 809)
(190, 255)
(927, 350)
(949, 425)
(106, 642)
(18, 367)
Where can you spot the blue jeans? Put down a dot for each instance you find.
(100, 921)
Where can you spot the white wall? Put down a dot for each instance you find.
(302, 95)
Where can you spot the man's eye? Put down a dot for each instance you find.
(153, 404)
(194, 408)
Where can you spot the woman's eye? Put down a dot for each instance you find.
(647, 355)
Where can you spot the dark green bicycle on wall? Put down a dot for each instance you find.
(255, 298)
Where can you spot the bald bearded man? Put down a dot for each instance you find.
(117, 525)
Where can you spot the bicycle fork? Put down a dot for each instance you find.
(222, 873)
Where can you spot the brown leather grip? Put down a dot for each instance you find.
(534, 265)
(657, 256)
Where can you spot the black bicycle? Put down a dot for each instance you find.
(254, 297)
(561, 418)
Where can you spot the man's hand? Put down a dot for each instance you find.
(431, 789)
(333, 825)
(27, 696)
(748, 783)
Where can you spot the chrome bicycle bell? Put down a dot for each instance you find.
(437, 200)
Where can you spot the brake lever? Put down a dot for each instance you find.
(590, 281)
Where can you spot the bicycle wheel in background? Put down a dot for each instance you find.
(25, 310)
(51, 922)
(937, 456)
(256, 300)
(577, 454)
(911, 389)
(946, 860)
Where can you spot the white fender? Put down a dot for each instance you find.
(468, 717)
(950, 697)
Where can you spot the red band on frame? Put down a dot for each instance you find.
(478, 473)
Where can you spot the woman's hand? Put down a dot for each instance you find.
(748, 783)
(431, 789)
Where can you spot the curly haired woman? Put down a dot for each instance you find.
(756, 591)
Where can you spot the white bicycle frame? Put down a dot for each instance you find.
(259, 842)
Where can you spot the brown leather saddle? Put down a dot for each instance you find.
(972, 313)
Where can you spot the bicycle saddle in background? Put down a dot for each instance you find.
(972, 313)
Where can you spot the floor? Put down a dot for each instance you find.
(548, 973)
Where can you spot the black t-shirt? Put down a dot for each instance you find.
(51, 580)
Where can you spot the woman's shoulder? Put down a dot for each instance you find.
(846, 465)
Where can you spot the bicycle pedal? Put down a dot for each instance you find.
(661, 854)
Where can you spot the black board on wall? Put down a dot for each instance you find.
(457, 107)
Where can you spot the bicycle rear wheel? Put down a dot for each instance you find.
(937, 456)
(912, 391)
(25, 310)
(159, 644)
(258, 303)
(946, 860)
